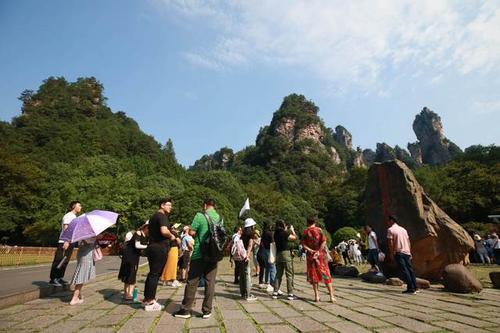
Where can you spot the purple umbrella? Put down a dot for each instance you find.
(88, 225)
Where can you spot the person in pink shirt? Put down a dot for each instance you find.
(399, 249)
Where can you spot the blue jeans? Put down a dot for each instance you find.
(404, 263)
(270, 275)
(373, 257)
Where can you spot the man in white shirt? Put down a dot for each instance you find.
(373, 248)
(58, 265)
(342, 247)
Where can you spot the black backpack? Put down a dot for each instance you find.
(213, 246)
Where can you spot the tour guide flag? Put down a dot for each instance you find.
(246, 206)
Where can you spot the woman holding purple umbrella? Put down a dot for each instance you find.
(85, 268)
(86, 230)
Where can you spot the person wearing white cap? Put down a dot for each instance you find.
(248, 237)
(481, 251)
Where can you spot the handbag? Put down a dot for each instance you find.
(97, 253)
(272, 253)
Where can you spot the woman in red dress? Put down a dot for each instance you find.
(314, 243)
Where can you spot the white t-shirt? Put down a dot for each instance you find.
(67, 218)
(371, 242)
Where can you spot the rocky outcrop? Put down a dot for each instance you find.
(312, 132)
(358, 160)
(384, 153)
(335, 155)
(369, 156)
(343, 137)
(286, 129)
(393, 190)
(222, 159)
(416, 153)
(435, 148)
(458, 279)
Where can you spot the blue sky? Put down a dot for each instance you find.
(209, 74)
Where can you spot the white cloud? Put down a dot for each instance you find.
(486, 107)
(347, 43)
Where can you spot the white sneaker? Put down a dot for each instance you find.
(154, 307)
(176, 284)
(262, 286)
(251, 298)
(270, 288)
(280, 292)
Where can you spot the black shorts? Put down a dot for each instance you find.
(184, 260)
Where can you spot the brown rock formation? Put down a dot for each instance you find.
(436, 239)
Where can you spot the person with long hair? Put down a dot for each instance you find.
(314, 243)
(267, 273)
(130, 260)
(284, 263)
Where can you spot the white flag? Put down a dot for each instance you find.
(246, 206)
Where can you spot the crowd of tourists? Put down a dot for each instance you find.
(487, 250)
(183, 257)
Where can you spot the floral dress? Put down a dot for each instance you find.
(317, 264)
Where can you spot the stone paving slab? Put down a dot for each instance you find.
(360, 308)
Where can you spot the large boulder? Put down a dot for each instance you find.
(436, 240)
(458, 279)
(495, 279)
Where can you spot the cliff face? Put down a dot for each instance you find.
(343, 137)
(434, 147)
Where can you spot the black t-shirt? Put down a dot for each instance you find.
(246, 236)
(281, 240)
(267, 239)
(155, 222)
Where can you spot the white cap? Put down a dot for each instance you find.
(249, 222)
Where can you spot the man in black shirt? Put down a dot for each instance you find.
(159, 244)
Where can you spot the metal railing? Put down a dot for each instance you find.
(26, 255)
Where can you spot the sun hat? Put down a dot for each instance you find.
(249, 222)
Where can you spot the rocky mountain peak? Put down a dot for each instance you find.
(434, 147)
(343, 137)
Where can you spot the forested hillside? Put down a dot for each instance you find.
(67, 144)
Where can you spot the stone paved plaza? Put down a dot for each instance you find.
(360, 307)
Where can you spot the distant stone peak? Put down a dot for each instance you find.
(432, 146)
(343, 136)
